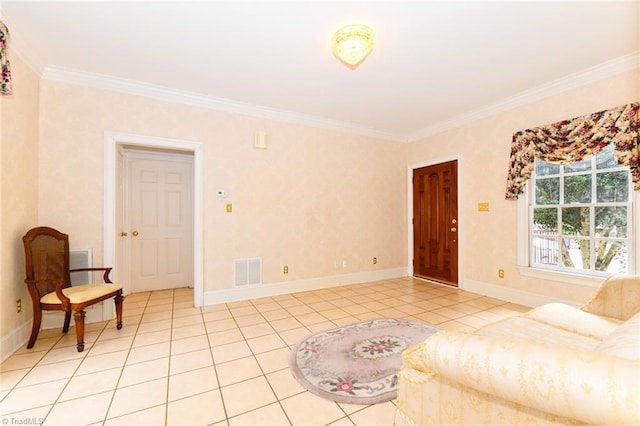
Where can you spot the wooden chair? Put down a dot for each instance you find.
(49, 282)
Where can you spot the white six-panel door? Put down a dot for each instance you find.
(160, 220)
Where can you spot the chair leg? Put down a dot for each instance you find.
(118, 301)
(78, 316)
(35, 329)
(67, 321)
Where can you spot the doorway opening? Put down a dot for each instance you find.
(115, 146)
(434, 222)
(155, 219)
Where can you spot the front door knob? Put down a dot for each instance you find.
(135, 233)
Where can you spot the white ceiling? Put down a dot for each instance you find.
(435, 64)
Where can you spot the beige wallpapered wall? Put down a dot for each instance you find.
(19, 189)
(488, 239)
(314, 197)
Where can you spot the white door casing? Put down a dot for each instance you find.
(159, 220)
(121, 249)
(113, 143)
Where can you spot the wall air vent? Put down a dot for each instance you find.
(81, 258)
(247, 271)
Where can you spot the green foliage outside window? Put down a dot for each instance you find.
(579, 206)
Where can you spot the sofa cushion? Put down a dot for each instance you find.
(582, 385)
(532, 331)
(574, 320)
(624, 341)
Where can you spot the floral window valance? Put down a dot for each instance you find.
(5, 76)
(573, 140)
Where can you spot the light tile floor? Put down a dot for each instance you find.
(219, 365)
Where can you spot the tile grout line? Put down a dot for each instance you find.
(37, 364)
(166, 398)
(213, 362)
(253, 355)
(124, 364)
(404, 292)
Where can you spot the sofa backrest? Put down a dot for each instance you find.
(624, 341)
(618, 297)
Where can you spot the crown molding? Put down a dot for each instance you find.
(100, 81)
(133, 87)
(25, 50)
(581, 78)
(20, 46)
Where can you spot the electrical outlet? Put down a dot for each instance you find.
(500, 273)
(375, 260)
(18, 306)
(285, 270)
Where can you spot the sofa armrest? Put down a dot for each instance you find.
(412, 359)
(587, 386)
(618, 297)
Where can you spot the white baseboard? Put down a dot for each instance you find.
(267, 290)
(509, 294)
(15, 340)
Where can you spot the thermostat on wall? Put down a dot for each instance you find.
(221, 193)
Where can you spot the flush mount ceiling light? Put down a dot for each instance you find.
(352, 43)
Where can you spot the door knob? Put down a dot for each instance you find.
(454, 221)
(123, 234)
(135, 233)
(454, 229)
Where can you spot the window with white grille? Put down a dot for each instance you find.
(580, 216)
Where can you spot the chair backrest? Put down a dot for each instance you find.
(46, 253)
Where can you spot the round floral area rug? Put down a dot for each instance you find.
(357, 363)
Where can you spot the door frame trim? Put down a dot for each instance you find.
(410, 169)
(112, 142)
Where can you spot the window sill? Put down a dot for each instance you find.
(564, 277)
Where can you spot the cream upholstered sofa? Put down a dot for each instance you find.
(553, 365)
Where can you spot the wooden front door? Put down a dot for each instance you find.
(435, 222)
